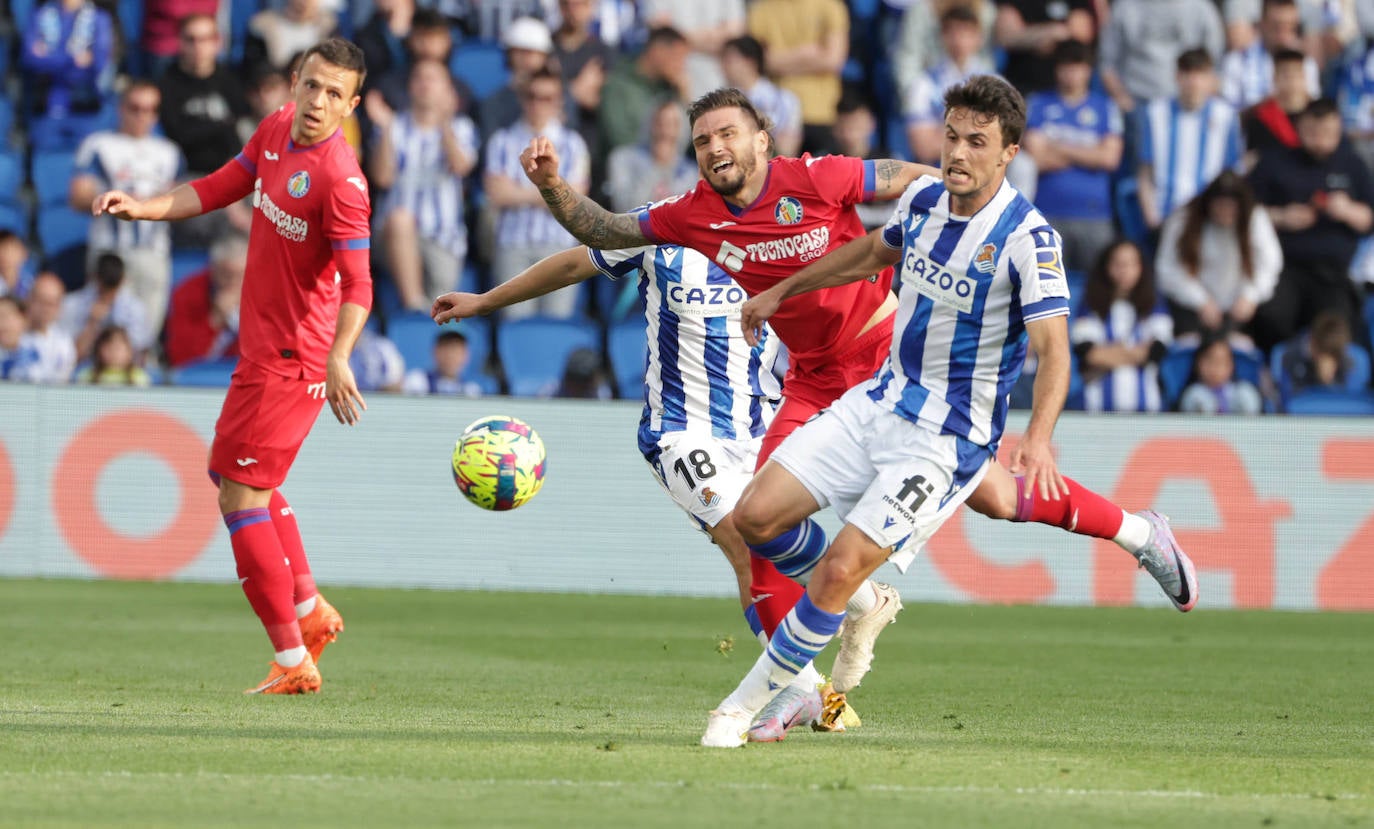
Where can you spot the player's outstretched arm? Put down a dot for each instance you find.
(1032, 456)
(543, 277)
(588, 222)
(892, 177)
(180, 203)
(859, 259)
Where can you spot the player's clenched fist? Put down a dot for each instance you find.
(118, 204)
(540, 162)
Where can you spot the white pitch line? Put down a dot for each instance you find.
(886, 788)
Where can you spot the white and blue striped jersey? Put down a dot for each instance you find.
(700, 373)
(1186, 150)
(425, 185)
(969, 286)
(535, 225)
(1247, 76)
(141, 167)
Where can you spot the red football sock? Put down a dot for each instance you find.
(774, 594)
(1083, 512)
(265, 575)
(284, 521)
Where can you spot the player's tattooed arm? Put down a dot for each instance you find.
(590, 223)
(891, 177)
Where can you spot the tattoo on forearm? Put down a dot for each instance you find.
(590, 223)
(887, 171)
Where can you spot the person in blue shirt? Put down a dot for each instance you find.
(68, 65)
(1075, 136)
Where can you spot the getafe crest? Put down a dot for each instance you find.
(299, 184)
(788, 211)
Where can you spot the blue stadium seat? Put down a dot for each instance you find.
(131, 21)
(1331, 402)
(20, 11)
(188, 262)
(1127, 197)
(11, 176)
(627, 346)
(481, 65)
(204, 374)
(51, 173)
(1369, 315)
(535, 350)
(6, 106)
(894, 137)
(1174, 370)
(60, 228)
(15, 218)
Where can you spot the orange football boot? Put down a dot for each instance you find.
(320, 627)
(302, 679)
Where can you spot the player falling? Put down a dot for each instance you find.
(306, 295)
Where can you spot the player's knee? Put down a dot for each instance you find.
(994, 502)
(754, 522)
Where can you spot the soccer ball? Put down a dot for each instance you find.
(498, 463)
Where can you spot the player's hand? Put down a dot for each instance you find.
(119, 204)
(455, 306)
(540, 162)
(341, 390)
(1033, 458)
(755, 313)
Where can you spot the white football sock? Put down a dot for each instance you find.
(291, 657)
(809, 679)
(1134, 533)
(863, 600)
(303, 609)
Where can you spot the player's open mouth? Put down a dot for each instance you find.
(956, 173)
(312, 120)
(722, 166)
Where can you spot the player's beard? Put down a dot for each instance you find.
(730, 186)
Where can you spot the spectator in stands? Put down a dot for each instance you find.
(1186, 141)
(1121, 334)
(961, 36)
(1142, 41)
(275, 35)
(451, 356)
(135, 160)
(528, 45)
(1075, 136)
(113, 361)
(17, 357)
(67, 60)
(656, 168)
(377, 363)
(918, 48)
(525, 230)
(742, 62)
(1270, 123)
(636, 86)
(855, 133)
(55, 350)
(104, 301)
(707, 25)
(806, 43)
(584, 377)
(430, 39)
(162, 27)
(269, 90)
(421, 156)
(202, 100)
(1319, 197)
(1326, 26)
(383, 37)
(1029, 31)
(1213, 387)
(490, 20)
(203, 321)
(583, 60)
(1219, 258)
(16, 265)
(1355, 93)
(1247, 74)
(1318, 358)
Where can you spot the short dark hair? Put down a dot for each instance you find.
(342, 53)
(1321, 108)
(1289, 56)
(451, 335)
(1269, 4)
(1194, 60)
(1071, 51)
(664, 36)
(748, 48)
(724, 98)
(960, 14)
(136, 84)
(426, 19)
(544, 73)
(853, 99)
(107, 265)
(991, 97)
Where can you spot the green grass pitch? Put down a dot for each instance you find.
(120, 706)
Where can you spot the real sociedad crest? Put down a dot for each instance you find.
(986, 260)
(299, 184)
(788, 211)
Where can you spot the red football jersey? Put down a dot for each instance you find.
(308, 202)
(806, 210)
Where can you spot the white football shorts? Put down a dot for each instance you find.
(705, 475)
(895, 480)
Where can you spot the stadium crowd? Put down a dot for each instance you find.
(1207, 164)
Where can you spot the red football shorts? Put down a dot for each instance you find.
(262, 425)
(813, 385)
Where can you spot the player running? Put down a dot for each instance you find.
(897, 454)
(761, 220)
(306, 296)
(709, 396)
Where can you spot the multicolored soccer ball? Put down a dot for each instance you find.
(498, 463)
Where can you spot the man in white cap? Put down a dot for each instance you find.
(528, 44)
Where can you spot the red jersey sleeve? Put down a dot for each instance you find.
(347, 217)
(663, 223)
(235, 179)
(841, 179)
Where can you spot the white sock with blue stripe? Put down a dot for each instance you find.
(808, 678)
(796, 551)
(803, 634)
